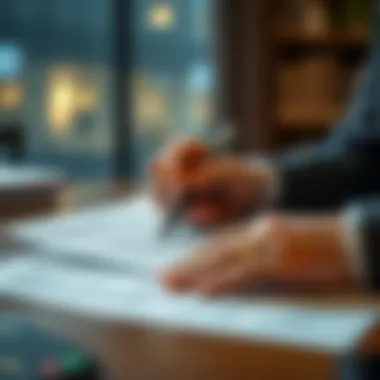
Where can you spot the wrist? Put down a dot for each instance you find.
(264, 182)
(336, 227)
(321, 240)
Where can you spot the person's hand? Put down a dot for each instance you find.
(289, 251)
(226, 187)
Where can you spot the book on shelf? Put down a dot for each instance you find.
(309, 89)
(320, 17)
(306, 16)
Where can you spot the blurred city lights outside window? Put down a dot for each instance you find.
(61, 100)
(75, 108)
(172, 74)
(66, 95)
(11, 60)
(76, 123)
(11, 81)
(161, 17)
(10, 96)
(67, 98)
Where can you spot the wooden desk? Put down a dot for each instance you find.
(144, 352)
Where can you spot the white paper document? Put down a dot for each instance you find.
(99, 262)
(130, 299)
(25, 176)
(124, 235)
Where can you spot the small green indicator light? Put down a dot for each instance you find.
(74, 362)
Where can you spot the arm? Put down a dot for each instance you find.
(363, 236)
(342, 167)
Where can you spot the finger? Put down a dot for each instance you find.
(205, 214)
(185, 275)
(252, 265)
(233, 279)
(211, 215)
(212, 196)
(192, 156)
(207, 176)
(160, 182)
(217, 184)
(187, 155)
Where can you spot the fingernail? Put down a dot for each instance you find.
(174, 282)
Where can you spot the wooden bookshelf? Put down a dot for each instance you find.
(321, 122)
(315, 71)
(337, 40)
(269, 49)
(302, 125)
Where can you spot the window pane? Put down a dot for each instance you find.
(11, 86)
(65, 94)
(72, 124)
(11, 99)
(173, 72)
(64, 98)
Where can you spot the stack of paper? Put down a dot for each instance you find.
(99, 263)
(15, 176)
(130, 299)
(125, 235)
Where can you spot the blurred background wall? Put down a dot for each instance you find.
(97, 86)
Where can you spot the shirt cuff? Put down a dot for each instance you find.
(272, 189)
(353, 242)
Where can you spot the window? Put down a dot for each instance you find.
(74, 112)
(11, 84)
(11, 99)
(172, 73)
(69, 91)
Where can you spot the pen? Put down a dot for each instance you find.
(180, 205)
(176, 212)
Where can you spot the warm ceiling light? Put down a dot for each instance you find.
(161, 17)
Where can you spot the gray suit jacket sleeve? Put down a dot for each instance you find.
(345, 165)
(365, 218)
(342, 173)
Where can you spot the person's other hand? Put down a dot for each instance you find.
(226, 187)
(288, 251)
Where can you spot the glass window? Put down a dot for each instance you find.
(75, 111)
(11, 99)
(11, 86)
(67, 95)
(172, 73)
(73, 127)
(69, 91)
